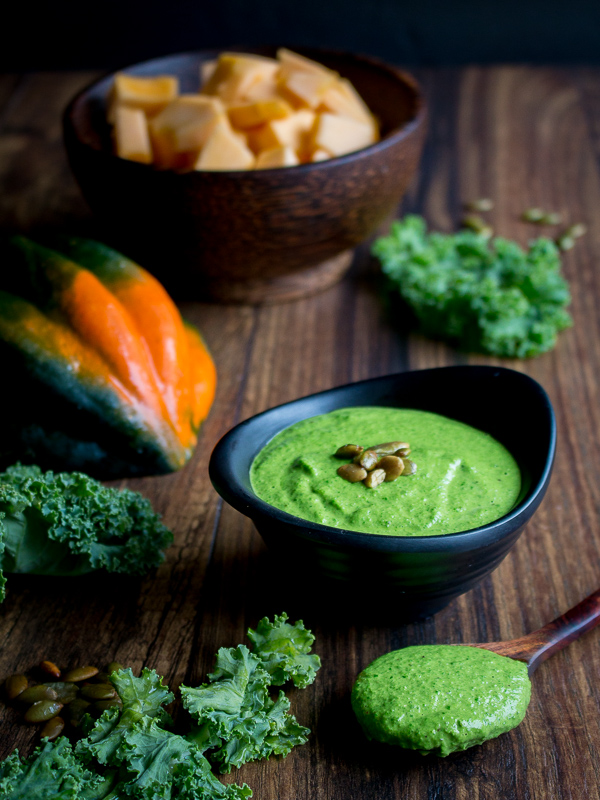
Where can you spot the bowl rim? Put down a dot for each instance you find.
(395, 136)
(249, 504)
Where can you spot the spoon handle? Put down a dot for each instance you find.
(536, 647)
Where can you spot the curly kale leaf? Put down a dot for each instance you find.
(484, 296)
(167, 765)
(237, 716)
(142, 698)
(52, 773)
(131, 753)
(153, 763)
(284, 651)
(70, 524)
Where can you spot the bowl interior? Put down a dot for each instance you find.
(392, 95)
(510, 406)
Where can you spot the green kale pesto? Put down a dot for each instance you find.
(464, 479)
(440, 698)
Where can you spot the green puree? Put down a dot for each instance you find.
(440, 698)
(464, 478)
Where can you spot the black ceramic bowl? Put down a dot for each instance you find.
(417, 575)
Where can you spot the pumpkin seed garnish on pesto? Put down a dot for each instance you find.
(388, 458)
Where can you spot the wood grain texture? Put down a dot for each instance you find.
(536, 647)
(523, 136)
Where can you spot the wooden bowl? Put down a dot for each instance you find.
(259, 236)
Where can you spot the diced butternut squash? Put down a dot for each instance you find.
(307, 88)
(294, 62)
(320, 155)
(340, 135)
(192, 136)
(225, 150)
(343, 99)
(262, 90)
(291, 132)
(182, 127)
(132, 140)
(251, 112)
(236, 73)
(149, 94)
(207, 69)
(185, 109)
(277, 157)
(249, 115)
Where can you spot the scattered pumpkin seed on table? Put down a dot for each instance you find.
(83, 689)
(42, 710)
(53, 728)
(15, 685)
(480, 204)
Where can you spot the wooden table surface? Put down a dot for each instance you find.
(520, 135)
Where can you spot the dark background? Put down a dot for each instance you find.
(75, 35)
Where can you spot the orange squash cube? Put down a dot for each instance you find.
(183, 127)
(277, 157)
(250, 115)
(338, 135)
(343, 99)
(236, 73)
(132, 139)
(224, 150)
(291, 132)
(149, 94)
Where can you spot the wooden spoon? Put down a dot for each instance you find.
(536, 647)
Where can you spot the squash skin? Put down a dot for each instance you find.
(105, 376)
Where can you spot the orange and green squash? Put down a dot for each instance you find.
(101, 374)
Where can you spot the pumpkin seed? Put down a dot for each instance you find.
(101, 677)
(100, 691)
(403, 452)
(65, 692)
(474, 223)
(367, 459)
(392, 466)
(575, 231)
(565, 242)
(375, 478)
(388, 448)
(533, 215)
(409, 467)
(50, 668)
(80, 674)
(102, 705)
(42, 710)
(52, 729)
(349, 451)
(36, 693)
(352, 473)
(481, 204)
(551, 218)
(15, 685)
(114, 666)
(76, 710)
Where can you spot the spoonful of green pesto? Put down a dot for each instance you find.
(443, 698)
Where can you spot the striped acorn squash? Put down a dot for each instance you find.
(100, 373)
